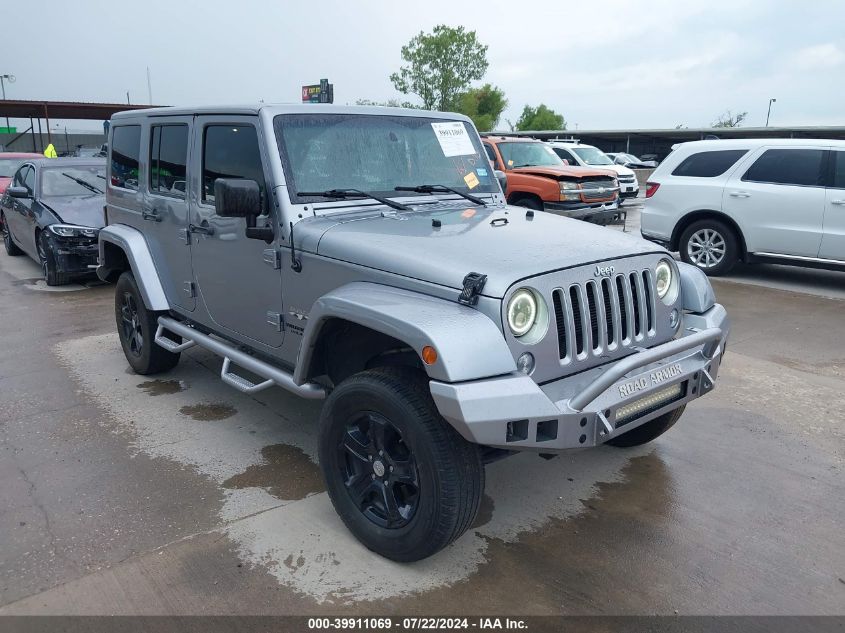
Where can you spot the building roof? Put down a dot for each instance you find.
(691, 133)
(62, 109)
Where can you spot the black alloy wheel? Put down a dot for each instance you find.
(379, 471)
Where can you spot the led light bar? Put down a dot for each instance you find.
(651, 401)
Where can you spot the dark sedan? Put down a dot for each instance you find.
(53, 212)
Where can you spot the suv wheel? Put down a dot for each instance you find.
(405, 483)
(136, 327)
(649, 431)
(710, 245)
(11, 248)
(48, 262)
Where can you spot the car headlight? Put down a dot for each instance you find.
(522, 311)
(569, 190)
(71, 230)
(666, 281)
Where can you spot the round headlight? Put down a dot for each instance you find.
(663, 278)
(522, 311)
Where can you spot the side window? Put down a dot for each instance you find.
(29, 180)
(838, 179)
(491, 153)
(125, 150)
(230, 151)
(168, 159)
(709, 164)
(565, 155)
(788, 167)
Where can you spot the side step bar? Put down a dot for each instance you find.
(272, 375)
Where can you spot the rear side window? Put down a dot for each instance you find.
(788, 167)
(125, 150)
(168, 159)
(230, 151)
(838, 160)
(709, 164)
(491, 154)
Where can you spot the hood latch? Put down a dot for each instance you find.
(473, 285)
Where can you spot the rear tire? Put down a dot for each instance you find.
(136, 327)
(11, 248)
(649, 431)
(710, 245)
(404, 482)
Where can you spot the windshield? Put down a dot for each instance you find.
(376, 153)
(8, 166)
(79, 180)
(630, 158)
(592, 156)
(529, 155)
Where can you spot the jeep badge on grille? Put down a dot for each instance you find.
(604, 271)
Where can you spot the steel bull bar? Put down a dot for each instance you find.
(587, 409)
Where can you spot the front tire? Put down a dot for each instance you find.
(404, 482)
(710, 245)
(136, 327)
(11, 248)
(47, 258)
(649, 431)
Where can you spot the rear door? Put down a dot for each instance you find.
(777, 196)
(833, 239)
(238, 279)
(165, 204)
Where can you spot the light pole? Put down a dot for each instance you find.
(769, 113)
(11, 80)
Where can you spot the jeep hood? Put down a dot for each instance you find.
(502, 243)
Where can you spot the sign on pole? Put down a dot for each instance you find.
(322, 92)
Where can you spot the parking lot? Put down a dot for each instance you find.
(177, 495)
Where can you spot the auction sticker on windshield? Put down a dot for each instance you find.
(453, 138)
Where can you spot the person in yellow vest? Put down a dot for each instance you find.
(50, 152)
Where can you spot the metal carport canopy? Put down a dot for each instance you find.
(63, 109)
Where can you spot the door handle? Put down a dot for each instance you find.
(147, 214)
(739, 194)
(838, 202)
(205, 230)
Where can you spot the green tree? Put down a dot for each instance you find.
(540, 118)
(483, 105)
(440, 65)
(390, 103)
(730, 120)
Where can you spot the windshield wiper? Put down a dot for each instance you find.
(84, 183)
(354, 193)
(441, 189)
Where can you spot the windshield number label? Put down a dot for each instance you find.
(453, 138)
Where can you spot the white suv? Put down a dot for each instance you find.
(763, 200)
(581, 155)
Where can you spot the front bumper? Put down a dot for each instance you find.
(76, 259)
(587, 409)
(600, 213)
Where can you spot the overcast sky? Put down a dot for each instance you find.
(607, 65)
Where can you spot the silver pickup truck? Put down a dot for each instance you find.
(366, 256)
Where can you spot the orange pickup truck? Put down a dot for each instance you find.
(540, 180)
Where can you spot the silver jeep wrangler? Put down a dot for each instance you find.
(366, 256)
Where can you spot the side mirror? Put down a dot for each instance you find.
(236, 198)
(502, 177)
(241, 198)
(18, 192)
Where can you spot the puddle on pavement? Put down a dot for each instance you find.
(162, 387)
(288, 473)
(485, 512)
(209, 411)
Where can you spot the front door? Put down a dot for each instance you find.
(779, 200)
(165, 205)
(21, 219)
(238, 283)
(833, 240)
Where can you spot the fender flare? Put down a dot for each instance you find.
(468, 343)
(134, 246)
